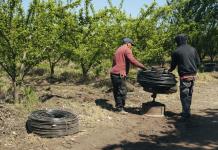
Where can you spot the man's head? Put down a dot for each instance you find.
(128, 41)
(181, 39)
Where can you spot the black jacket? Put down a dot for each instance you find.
(185, 57)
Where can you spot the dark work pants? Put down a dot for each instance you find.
(186, 90)
(119, 90)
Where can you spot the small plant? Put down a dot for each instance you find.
(29, 98)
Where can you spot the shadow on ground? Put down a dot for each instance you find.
(104, 104)
(199, 133)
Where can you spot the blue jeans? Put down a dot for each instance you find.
(186, 90)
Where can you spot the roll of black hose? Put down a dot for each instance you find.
(52, 123)
(157, 80)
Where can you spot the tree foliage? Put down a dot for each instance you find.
(20, 45)
(197, 18)
(55, 21)
(54, 30)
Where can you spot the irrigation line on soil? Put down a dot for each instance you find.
(52, 123)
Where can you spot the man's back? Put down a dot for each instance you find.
(122, 59)
(187, 59)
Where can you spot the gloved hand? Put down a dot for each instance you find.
(165, 71)
(141, 69)
(144, 68)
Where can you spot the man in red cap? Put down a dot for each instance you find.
(122, 59)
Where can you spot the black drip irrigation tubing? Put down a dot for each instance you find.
(52, 123)
(157, 81)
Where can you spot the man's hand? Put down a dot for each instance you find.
(144, 68)
(141, 69)
(166, 71)
(170, 70)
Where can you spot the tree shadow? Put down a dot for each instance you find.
(48, 96)
(171, 114)
(198, 133)
(215, 76)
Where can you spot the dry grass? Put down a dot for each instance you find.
(205, 77)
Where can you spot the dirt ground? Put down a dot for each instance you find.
(102, 128)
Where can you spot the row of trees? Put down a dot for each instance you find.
(56, 30)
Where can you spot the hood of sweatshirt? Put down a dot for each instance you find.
(181, 39)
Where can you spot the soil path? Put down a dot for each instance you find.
(102, 128)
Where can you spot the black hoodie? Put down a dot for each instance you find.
(185, 57)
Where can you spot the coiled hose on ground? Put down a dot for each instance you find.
(157, 80)
(52, 123)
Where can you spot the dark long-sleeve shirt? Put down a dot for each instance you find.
(122, 59)
(187, 60)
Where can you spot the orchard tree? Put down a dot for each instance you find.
(95, 36)
(152, 34)
(20, 45)
(198, 19)
(56, 19)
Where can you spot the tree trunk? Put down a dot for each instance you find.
(211, 59)
(85, 73)
(212, 56)
(22, 67)
(14, 90)
(52, 70)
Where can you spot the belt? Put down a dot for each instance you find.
(188, 78)
(115, 74)
(119, 75)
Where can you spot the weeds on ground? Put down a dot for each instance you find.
(30, 98)
(207, 76)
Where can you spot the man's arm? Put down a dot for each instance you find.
(173, 62)
(132, 59)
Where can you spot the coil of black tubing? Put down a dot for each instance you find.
(157, 80)
(52, 123)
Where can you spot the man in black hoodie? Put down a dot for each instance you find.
(187, 60)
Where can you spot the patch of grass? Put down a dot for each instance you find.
(43, 65)
(29, 98)
(207, 76)
(4, 83)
